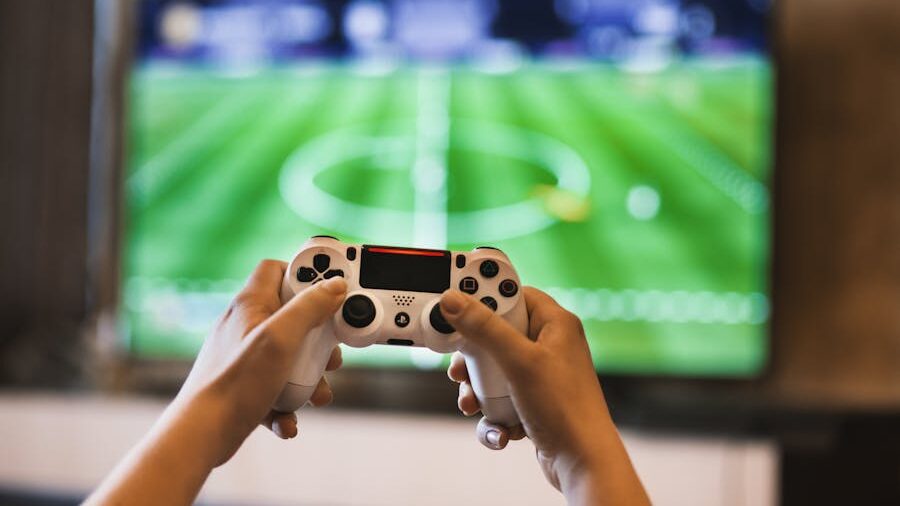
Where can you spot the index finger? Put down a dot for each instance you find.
(480, 325)
(542, 310)
(306, 311)
(264, 284)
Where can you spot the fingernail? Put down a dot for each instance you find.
(276, 428)
(452, 302)
(335, 285)
(493, 438)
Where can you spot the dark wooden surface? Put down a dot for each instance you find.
(45, 89)
(837, 227)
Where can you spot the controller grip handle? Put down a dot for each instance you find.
(488, 381)
(491, 387)
(308, 370)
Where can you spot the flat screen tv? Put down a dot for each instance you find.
(619, 151)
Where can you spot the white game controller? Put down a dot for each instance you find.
(392, 298)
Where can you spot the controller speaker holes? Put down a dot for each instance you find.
(404, 300)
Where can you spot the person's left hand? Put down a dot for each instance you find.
(247, 358)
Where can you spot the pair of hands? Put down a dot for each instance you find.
(247, 359)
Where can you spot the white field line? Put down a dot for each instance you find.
(429, 171)
(716, 167)
(194, 304)
(708, 161)
(154, 171)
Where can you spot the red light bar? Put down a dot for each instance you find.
(401, 251)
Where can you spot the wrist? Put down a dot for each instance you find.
(201, 422)
(580, 485)
(599, 470)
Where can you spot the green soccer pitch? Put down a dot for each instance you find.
(638, 200)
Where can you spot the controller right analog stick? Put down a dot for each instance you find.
(359, 311)
(438, 322)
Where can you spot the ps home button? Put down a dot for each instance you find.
(359, 311)
(402, 320)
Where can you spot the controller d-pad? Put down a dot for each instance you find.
(489, 268)
(305, 274)
(489, 302)
(321, 262)
(332, 273)
(508, 288)
(468, 285)
(438, 322)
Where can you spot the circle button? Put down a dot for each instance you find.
(489, 268)
(402, 320)
(359, 311)
(508, 288)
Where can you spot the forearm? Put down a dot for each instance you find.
(604, 476)
(171, 463)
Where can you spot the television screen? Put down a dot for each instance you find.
(619, 151)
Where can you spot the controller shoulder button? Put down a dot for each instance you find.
(322, 236)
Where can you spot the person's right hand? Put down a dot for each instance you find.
(556, 393)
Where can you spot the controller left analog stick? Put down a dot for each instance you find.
(359, 311)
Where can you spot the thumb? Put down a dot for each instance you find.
(478, 324)
(306, 311)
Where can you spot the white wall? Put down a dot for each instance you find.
(65, 444)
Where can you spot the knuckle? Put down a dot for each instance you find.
(241, 302)
(269, 345)
(478, 318)
(269, 263)
(570, 319)
(242, 299)
(249, 306)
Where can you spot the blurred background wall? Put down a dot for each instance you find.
(45, 91)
